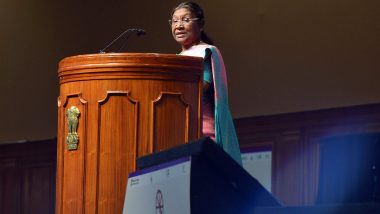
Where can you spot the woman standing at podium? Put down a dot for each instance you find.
(187, 23)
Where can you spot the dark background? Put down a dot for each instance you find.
(281, 56)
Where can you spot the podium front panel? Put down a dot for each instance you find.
(114, 108)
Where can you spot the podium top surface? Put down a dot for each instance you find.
(129, 59)
(130, 65)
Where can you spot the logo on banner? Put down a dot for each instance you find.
(134, 181)
(159, 202)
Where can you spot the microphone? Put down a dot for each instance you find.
(138, 32)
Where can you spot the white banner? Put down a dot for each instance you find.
(162, 189)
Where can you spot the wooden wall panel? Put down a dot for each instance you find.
(295, 139)
(10, 186)
(286, 167)
(38, 187)
(27, 177)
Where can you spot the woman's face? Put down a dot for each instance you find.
(186, 34)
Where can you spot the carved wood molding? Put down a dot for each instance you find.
(72, 160)
(166, 118)
(115, 147)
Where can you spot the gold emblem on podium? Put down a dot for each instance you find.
(72, 137)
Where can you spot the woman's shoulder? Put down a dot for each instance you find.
(209, 47)
(199, 50)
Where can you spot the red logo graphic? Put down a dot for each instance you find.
(159, 202)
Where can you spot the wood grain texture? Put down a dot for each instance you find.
(171, 109)
(120, 147)
(114, 93)
(73, 161)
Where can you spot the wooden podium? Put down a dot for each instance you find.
(113, 108)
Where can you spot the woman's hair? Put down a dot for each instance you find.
(195, 9)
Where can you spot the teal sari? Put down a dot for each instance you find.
(225, 135)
